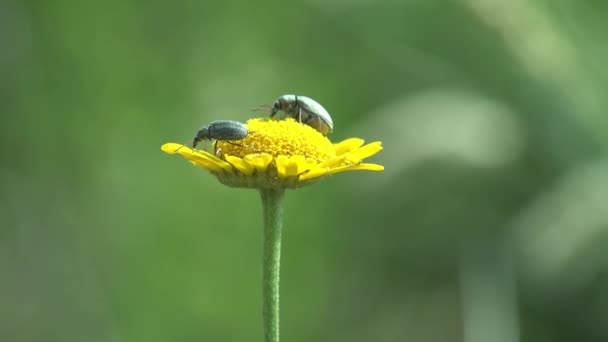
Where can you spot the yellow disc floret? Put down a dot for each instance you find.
(280, 138)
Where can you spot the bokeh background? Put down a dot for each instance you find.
(489, 223)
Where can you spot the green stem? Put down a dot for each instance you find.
(272, 203)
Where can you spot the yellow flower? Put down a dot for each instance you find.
(279, 154)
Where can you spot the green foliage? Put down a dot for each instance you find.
(488, 223)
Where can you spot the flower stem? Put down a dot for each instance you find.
(272, 203)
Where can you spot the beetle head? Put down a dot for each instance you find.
(195, 142)
(202, 134)
(276, 107)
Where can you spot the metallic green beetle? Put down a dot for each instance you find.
(221, 130)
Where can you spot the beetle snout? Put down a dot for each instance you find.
(274, 110)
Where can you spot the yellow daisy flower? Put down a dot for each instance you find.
(279, 154)
(274, 156)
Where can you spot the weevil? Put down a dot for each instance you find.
(305, 110)
(221, 130)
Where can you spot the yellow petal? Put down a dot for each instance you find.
(369, 167)
(322, 171)
(297, 165)
(205, 159)
(363, 166)
(188, 153)
(208, 164)
(314, 173)
(207, 155)
(365, 151)
(210, 157)
(282, 162)
(240, 165)
(348, 145)
(292, 168)
(306, 165)
(331, 163)
(173, 148)
(258, 160)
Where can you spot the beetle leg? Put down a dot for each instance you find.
(249, 147)
(300, 115)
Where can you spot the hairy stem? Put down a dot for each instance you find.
(272, 203)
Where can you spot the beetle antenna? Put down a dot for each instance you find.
(264, 107)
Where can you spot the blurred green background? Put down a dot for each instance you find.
(489, 223)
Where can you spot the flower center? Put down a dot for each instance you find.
(280, 137)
